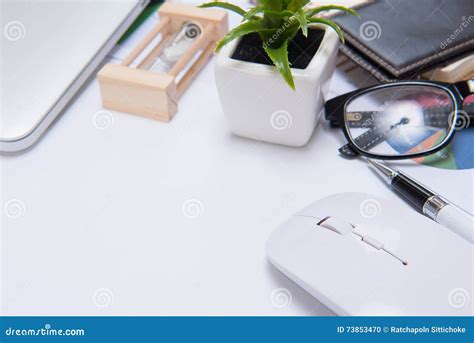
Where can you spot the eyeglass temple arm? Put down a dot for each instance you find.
(334, 109)
(334, 112)
(465, 88)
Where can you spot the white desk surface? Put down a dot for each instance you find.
(104, 227)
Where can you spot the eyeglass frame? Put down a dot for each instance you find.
(335, 113)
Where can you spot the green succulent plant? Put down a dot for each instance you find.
(277, 22)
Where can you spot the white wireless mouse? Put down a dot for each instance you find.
(361, 255)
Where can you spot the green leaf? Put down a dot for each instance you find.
(275, 36)
(224, 5)
(275, 20)
(295, 5)
(239, 31)
(277, 16)
(273, 5)
(250, 14)
(330, 23)
(310, 13)
(279, 58)
(301, 17)
(285, 3)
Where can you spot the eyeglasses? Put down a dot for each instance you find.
(401, 120)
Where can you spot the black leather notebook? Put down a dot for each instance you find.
(400, 39)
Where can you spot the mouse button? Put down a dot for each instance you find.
(297, 228)
(337, 225)
(314, 211)
(290, 234)
(378, 232)
(389, 234)
(380, 239)
(365, 229)
(297, 225)
(373, 242)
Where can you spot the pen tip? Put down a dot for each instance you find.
(382, 169)
(374, 163)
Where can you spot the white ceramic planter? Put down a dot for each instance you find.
(260, 105)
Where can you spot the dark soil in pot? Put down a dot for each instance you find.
(301, 49)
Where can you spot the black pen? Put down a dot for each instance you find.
(427, 202)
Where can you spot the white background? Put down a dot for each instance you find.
(105, 228)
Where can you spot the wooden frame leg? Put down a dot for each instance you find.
(200, 43)
(193, 71)
(162, 28)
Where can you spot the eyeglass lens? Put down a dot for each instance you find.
(400, 120)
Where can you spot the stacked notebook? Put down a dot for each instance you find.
(402, 39)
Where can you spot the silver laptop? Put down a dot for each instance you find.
(48, 50)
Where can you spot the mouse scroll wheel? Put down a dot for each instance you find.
(337, 225)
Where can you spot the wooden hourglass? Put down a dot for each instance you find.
(153, 86)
